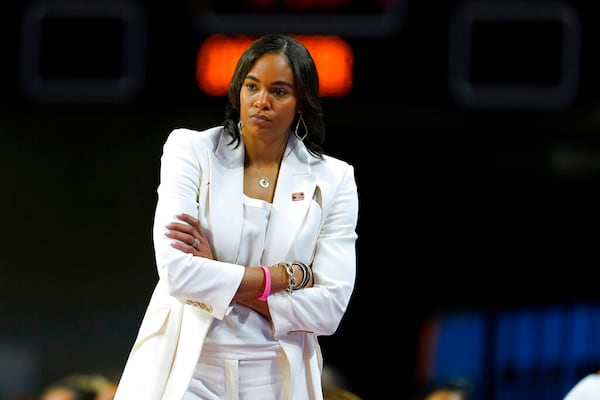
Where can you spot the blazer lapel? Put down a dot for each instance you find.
(295, 188)
(293, 195)
(226, 199)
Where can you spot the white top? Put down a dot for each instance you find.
(244, 334)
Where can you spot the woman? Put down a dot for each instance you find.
(254, 235)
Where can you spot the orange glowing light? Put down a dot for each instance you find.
(218, 54)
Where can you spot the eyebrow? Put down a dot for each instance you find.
(283, 83)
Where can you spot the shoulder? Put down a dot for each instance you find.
(336, 163)
(334, 166)
(210, 135)
(335, 175)
(189, 141)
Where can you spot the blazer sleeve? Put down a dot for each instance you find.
(320, 309)
(209, 284)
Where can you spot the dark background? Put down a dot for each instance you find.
(480, 201)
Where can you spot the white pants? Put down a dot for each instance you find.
(223, 379)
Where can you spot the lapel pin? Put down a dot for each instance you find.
(297, 196)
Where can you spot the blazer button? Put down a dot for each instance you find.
(206, 307)
(202, 306)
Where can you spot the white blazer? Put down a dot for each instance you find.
(313, 219)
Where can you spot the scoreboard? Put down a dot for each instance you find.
(476, 55)
(105, 52)
(374, 18)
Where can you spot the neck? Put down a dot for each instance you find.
(263, 154)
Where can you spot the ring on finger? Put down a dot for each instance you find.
(195, 243)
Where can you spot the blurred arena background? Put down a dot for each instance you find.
(473, 127)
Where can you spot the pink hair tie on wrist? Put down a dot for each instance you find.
(267, 291)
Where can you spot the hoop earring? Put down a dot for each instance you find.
(240, 126)
(300, 119)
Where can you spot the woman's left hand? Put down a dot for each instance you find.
(189, 236)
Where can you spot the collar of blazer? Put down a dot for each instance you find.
(295, 187)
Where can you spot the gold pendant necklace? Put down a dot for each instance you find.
(263, 181)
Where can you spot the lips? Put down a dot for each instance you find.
(259, 118)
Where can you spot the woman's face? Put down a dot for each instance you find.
(268, 97)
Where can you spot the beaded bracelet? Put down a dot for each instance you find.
(267, 291)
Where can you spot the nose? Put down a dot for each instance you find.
(262, 100)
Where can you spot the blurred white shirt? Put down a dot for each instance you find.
(586, 389)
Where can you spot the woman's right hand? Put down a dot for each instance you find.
(189, 237)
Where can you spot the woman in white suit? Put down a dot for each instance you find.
(254, 236)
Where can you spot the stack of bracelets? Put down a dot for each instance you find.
(306, 275)
(289, 269)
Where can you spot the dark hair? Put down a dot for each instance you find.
(306, 81)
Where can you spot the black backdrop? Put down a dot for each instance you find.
(461, 207)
